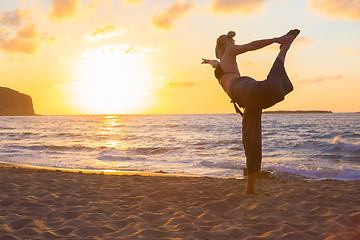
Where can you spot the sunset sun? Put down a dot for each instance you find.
(113, 80)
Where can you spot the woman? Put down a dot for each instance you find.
(250, 94)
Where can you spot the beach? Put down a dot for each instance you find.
(51, 204)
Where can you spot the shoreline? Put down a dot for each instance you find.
(263, 174)
(92, 171)
(266, 174)
(43, 203)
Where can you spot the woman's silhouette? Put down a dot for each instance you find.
(250, 94)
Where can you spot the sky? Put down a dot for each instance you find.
(144, 56)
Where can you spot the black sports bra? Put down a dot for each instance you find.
(219, 72)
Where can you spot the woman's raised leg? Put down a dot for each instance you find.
(285, 46)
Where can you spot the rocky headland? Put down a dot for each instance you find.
(14, 103)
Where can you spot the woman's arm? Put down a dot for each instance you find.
(213, 63)
(255, 45)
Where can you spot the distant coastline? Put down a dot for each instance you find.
(297, 111)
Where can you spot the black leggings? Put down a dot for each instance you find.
(254, 96)
(251, 138)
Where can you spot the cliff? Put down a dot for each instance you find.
(14, 103)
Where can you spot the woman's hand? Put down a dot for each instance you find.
(289, 37)
(213, 63)
(284, 39)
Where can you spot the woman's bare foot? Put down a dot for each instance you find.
(247, 192)
(250, 185)
(292, 34)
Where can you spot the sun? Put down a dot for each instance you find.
(112, 81)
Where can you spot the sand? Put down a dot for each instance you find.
(47, 204)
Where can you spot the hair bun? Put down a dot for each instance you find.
(231, 34)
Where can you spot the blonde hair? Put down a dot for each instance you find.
(223, 39)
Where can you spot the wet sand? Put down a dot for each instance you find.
(48, 204)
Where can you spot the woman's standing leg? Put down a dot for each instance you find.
(251, 137)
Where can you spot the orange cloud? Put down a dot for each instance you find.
(303, 40)
(345, 9)
(348, 51)
(96, 3)
(14, 18)
(236, 6)
(70, 10)
(105, 32)
(132, 1)
(93, 6)
(168, 86)
(322, 78)
(64, 9)
(21, 34)
(175, 11)
(25, 40)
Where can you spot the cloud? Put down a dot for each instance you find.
(344, 9)
(25, 40)
(105, 32)
(322, 78)
(70, 10)
(168, 86)
(64, 9)
(236, 6)
(29, 31)
(97, 3)
(20, 34)
(130, 50)
(13, 18)
(132, 1)
(175, 11)
(303, 40)
(351, 51)
(94, 5)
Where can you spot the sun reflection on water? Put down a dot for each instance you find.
(112, 125)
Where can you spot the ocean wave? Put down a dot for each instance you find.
(7, 128)
(113, 158)
(317, 172)
(153, 150)
(5, 150)
(343, 146)
(218, 143)
(59, 148)
(18, 134)
(222, 165)
(113, 155)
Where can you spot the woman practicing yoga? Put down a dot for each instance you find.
(250, 94)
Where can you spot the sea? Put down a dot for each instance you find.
(311, 146)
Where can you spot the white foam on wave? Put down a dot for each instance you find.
(352, 147)
(325, 171)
